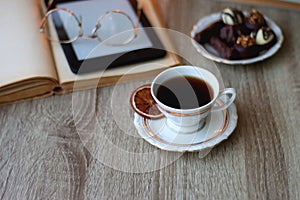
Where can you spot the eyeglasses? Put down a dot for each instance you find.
(113, 28)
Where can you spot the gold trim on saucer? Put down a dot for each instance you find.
(217, 133)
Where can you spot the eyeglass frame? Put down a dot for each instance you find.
(97, 26)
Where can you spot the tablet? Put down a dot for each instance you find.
(95, 55)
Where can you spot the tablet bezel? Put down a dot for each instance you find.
(113, 60)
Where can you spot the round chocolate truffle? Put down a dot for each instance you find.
(232, 16)
(255, 20)
(263, 36)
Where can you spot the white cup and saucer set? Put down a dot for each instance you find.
(196, 114)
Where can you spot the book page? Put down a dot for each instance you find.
(24, 52)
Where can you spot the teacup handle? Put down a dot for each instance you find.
(226, 91)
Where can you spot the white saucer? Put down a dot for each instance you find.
(218, 126)
(207, 51)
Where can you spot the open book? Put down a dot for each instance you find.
(33, 67)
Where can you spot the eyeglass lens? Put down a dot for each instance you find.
(115, 28)
(67, 26)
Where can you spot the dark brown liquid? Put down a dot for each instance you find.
(184, 92)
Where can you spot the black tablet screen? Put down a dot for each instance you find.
(94, 54)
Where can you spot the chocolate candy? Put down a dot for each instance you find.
(255, 20)
(263, 36)
(223, 49)
(236, 37)
(205, 35)
(246, 46)
(232, 16)
(230, 33)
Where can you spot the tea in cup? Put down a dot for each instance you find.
(186, 95)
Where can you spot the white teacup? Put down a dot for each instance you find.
(191, 119)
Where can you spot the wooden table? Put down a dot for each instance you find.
(43, 155)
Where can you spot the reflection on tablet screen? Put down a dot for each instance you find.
(90, 11)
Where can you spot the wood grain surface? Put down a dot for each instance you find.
(85, 146)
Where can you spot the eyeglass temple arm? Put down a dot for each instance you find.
(49, 5)
(42, 23)
(50, 2)
(139, 13)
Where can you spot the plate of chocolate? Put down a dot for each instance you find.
(237, 37)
